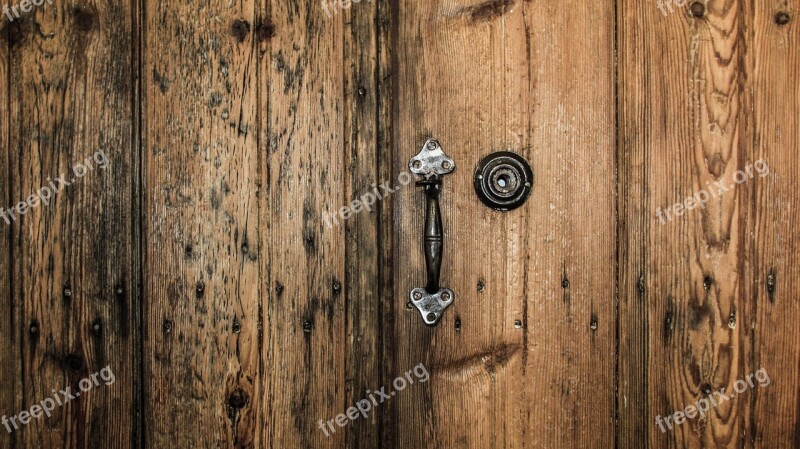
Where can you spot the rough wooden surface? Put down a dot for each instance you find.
(201, 267)
(772, 208)
(201, 226)
(525, 357)
(73, 300)
(706, 297)
(306, 325)
(10, 327)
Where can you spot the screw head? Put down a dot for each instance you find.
(417, 296)
(446, 296)
(432, 145)
(446, 165)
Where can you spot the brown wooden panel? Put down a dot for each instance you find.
(570, 275)
(10, 329)
(201, 225)
(368, 159)
(525, 356)
(304, 173)
(681, 125)
(74, 293)
(770, 236)
(701, 292)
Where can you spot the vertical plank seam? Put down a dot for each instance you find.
(260, 20)
(265, 312)
(348, 139)
(11, 253)
(379, 337)
(393, 38)
(10, 229)
(137, 27)
(618, 148)
(617, 334)
(526, 266)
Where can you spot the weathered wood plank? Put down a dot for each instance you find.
(304, 111)
(201, 225)
(72, 95)
(519, 360)
(385, 82)
(571, 234)
(364, 260)
(700, 104)
(771, 209)
(10, 329)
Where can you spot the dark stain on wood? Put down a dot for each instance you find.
(85, 19)
(266, 31)
(240, 29)
(488, 10)
(15, 33)
(162, 81)
(698, 313)
(489, 361)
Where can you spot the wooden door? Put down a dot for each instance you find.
(232, 232)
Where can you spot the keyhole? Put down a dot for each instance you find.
(502, 181)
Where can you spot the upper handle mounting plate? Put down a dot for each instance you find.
(431, 161)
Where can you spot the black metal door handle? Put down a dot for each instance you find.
(432, 163)
(434, 236)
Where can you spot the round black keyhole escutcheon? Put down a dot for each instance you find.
(503, 180)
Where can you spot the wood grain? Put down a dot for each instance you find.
(74, 294)
(571, 247)
(10, 328)
(771, 208)
(305, 170)
(367, 156)
(698, 91)
(518, 360)
(201, 225)
(206, 268)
